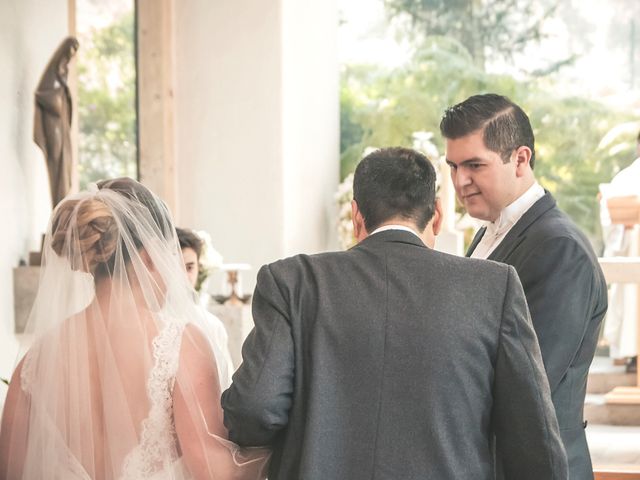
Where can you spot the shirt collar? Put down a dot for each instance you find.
(384, 228)
(512, 213)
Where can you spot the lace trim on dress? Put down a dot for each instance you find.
(26, 374)
(157, 448)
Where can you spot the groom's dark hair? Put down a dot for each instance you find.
(395, 182)
(504, 124)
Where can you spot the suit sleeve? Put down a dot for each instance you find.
(528, 443)
(558, 280)
(256, 405)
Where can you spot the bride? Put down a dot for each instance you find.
(120, 383)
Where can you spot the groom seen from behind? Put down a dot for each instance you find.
(392, 360)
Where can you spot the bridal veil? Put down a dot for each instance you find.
(120, 381)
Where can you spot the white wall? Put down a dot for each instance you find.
(311, 124)
(257, 129)
(30, 31)
(257, 125)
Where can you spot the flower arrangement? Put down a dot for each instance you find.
(210, 259)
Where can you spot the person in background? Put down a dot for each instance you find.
(192, 246)
(620, 324)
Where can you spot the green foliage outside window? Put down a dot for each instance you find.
(495, 28)
(384, 107)
(106, 102)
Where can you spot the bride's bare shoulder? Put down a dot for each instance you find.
(196, 348)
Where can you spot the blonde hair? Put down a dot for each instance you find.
(91, 225)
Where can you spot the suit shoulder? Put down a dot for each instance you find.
(473, 268)
(304, 258)
(466, 262)
(554, 227)
(555, 223)
(304, 262)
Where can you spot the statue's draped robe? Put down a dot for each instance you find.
(52, 126)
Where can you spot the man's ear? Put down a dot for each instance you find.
(522, 159)
(432, 229)
(359, 230)
(438, 218)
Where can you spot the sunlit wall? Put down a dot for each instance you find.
(30, 31)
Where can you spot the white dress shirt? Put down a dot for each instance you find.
(496, 231)
(384, 228)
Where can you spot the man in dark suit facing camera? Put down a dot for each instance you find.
(392, 360)
(490, 149)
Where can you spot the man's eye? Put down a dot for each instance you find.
(474, 166)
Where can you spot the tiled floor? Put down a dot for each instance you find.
(611, 444)
(614, 445)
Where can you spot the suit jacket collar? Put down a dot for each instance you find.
(516, 234)
(396, 236)
(476, 240)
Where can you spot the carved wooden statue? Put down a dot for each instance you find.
(52, 122)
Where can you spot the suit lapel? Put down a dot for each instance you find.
(516, 235)
(476, 240)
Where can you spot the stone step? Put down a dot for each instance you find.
(614, 446)
(604, 377)
(598, 412)
(616, 472)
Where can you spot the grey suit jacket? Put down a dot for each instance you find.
(567, 297)
(393, 361)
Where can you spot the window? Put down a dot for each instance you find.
(106, 106)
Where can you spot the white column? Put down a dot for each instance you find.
(311, 124)
(156, 73)
(30, 31)
(257, 125)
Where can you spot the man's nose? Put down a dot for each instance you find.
(460, 178)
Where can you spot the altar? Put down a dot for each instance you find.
(625, 211)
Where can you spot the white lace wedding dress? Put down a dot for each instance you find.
(156, 457)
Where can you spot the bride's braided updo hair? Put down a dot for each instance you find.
(89, 223)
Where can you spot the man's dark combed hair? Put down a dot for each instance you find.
(505, 125)
(188, 239)
(395, 182)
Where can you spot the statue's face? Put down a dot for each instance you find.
(63, 65)
(63, 70)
